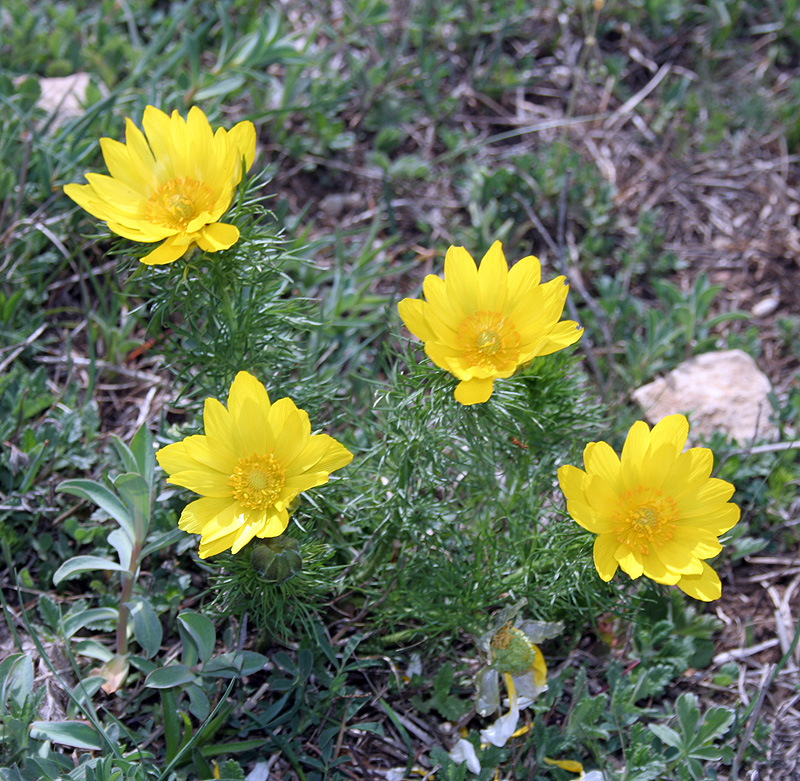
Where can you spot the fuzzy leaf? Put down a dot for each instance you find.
(715, 723)
(234, 665)
(707, 752)
(67, 733)
(688, 714)
(103, 497)
(161, 541)
(667, 735)
(142, 450)
(146, 626)
(73, 624)
(78, 564)
(169, 676)
(16, 680)
(200, 631)
(124, 454)
(123, 546)
(136, 494)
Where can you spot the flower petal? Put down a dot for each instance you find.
(248, 406)
(565, 764)
(464, 751)
(213, 547)
(448, 310)
(589, 518)
(500, 732)
(600, 459)
(563, 334)
(633, 452)
(630, 561)
(217, 236)
(213, 455)
(605, 563)
(523, 277)
(487, 691)
(202, 512)
(218, 424)
(128, 167)
(205, 482)
(156, 126)
(412, 313)
(169, 251)
(289, 430)
(475, 391)
(572, 482)
(322, 454)
(492, 276)
(275, 524)
(242, 138)
(174, 458)
(461, 280)
(706, 586)
(671, 431)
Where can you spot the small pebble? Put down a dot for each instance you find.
(765, 307)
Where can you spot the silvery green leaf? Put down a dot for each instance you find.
(123, 546)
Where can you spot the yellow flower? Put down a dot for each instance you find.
(481, 324)
(657, 510)
(253, 460)
(172, 186)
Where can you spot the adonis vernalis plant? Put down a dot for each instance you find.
(656, 510)
(252, 462)
(171, 183)
(481, 324)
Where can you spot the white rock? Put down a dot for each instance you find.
(720, 391)
(64, 96)
(259, 773)
(765, 307)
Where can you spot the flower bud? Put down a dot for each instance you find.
(276, 559)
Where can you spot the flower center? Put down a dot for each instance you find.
(645, 519)
(489, 340)
(177, 202)
(257, 481)
(511, 650)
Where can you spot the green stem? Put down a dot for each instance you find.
(128, 579)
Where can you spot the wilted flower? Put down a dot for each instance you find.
(657, 511)
(511, 652)
(172, 185)
(483, 324)
(252, 462)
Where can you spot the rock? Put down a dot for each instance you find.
(335, 203)
(720, 391)
(64, 96)
(765, 307)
